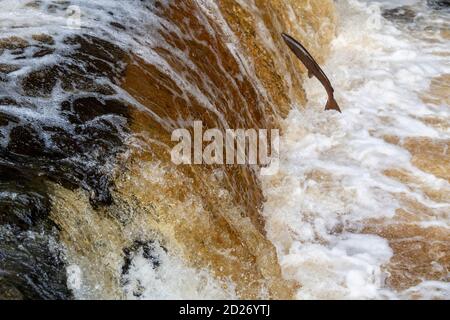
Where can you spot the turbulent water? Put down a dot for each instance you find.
(92, 207)
(360, 209)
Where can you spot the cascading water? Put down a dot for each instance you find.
(91, 205)
(360, 207)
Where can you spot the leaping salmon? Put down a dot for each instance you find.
(313, 69)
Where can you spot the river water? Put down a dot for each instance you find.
(361, 205)
(92, 207)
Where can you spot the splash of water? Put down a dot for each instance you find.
(360, 208)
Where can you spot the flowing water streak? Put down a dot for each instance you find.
(360, 208)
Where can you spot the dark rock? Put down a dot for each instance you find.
(30, 263)
(41, 82)
(75, 155)
(13, 43)
(23, 198)
(5, 119)
(8, 291)
(44, 38)
(43, 52)
(24, 140)
(79, 81)
(7, 101)
(439, 4)
(72, 153)
(31, 266)
(148, 251)
(118, 25)
(17, 52)
(400, 14)
(8, 68)
(87, 109)
(64, 141)
(22, 209)
(99, 57)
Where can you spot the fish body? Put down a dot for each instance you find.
(313, 69)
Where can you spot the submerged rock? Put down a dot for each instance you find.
(71, 153)
(9, 291)
(69, 142)
(31, 265)
(23, 199)
(402, 14)
(148, 252)
(41, 82)
(24, 140)
(439, 4)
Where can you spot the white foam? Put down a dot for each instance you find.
(172, 279)
(331, 170)
(74, 277)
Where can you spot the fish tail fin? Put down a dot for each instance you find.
(332, 105)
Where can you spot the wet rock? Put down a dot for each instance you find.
(72, 153)
(64, 141)
(87, 109)
(44, 38)
(148, 252)
(78, 81)
(35, 4)
(7, 101)
(24, 140)
(104, 137)
(13, 43)
(99, 57)
(31, 266)
(118, 25)
(401, 14)
(18, 52)
(41, 82)
(8, 68)
(43, 52)
(439, 4)
(22, 209)
(92, 58)
(30, 263)
(73, 158)
(23, 199)
(8, 291)
(5, 118)
(58, 6)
